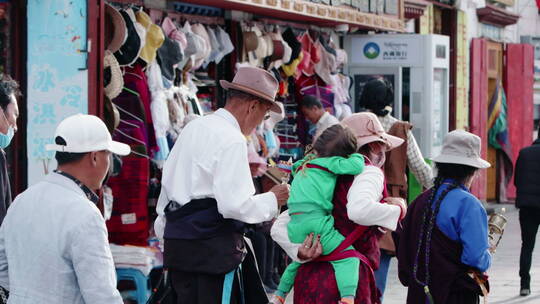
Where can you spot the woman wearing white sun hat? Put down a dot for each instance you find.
(452, 222)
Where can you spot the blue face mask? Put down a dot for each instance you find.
(5, 139)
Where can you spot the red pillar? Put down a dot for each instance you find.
(479, 107)
(518, 84)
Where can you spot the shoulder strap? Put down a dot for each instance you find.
(312, 166)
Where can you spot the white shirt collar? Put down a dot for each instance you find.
(228, 117)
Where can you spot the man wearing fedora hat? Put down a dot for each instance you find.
(207, 197)
(452, 223)
(54, 246)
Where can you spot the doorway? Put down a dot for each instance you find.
(494, 74)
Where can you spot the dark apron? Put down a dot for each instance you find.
(201, 244)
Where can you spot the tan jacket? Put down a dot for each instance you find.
(395, 174)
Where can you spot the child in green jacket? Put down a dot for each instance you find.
(310, 205)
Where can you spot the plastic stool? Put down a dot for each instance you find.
(142, 292)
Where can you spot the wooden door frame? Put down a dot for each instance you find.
(95, 33)
(494, 74)
(18, 149)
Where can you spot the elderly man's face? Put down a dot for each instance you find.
(256, 113)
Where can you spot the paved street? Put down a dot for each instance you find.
(503, 274)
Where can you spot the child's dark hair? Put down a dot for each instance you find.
(336, 140)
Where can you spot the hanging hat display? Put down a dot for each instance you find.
(226, 43)
(290, 69)
(201, 56)
(294, 44)
(154, 37)
(251, 43)
(170, 30)
(130, 50)
(112, 76)
(115, 29)
(111, 116)
(256, 57)
(169, 55)
(326, 67)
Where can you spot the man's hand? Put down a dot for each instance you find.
(282, 193)
(310, 249)
(397, 201)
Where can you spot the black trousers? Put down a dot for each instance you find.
(201, 288)
(529, 220)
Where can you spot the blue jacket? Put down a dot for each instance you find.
(463, 218)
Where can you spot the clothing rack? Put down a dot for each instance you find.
(295, 25)
(127, 3)
(158, 15)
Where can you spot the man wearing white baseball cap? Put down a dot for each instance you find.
(53, 241)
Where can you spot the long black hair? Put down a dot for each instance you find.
(376, 95)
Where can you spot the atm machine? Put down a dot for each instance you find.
(418, 68)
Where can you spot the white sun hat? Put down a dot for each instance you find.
(463, 148)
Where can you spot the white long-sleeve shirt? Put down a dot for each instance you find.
(326, 121)
(54, 247)
(363, 208)
(210, 160)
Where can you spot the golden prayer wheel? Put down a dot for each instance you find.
(496, 224)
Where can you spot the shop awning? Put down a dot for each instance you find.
(308, 12)
(496, 16)
(415, 8)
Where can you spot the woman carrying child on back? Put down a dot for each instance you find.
(310, 206)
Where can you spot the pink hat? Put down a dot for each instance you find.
(257, 82)
(171, 31)
(367, 128)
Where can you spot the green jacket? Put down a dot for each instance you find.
(312, 189)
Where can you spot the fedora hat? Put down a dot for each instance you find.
(115, 29)
(130, 50)
(112, 76)
(257, 82)
(154, 37)
(462, 148)
(367, 128)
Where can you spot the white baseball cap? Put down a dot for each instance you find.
(86, 133)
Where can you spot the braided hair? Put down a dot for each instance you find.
(428, 222)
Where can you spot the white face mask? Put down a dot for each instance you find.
(377, 159)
